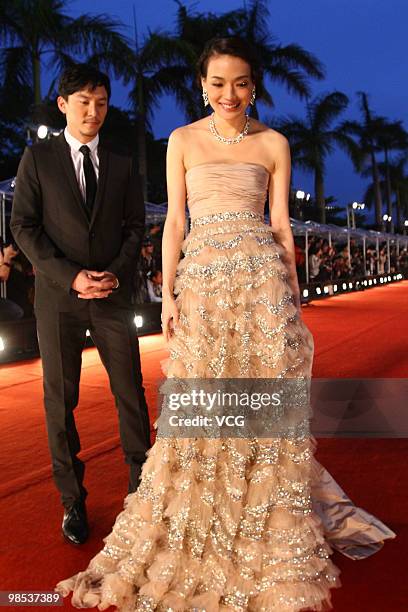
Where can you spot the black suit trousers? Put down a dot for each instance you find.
(61, 338)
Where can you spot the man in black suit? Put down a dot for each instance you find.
(78, 215)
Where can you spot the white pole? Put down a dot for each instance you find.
(378, 254)
(307, 256)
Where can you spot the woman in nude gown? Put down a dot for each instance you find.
(229, 523)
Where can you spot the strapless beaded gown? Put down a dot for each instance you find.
(230, 524)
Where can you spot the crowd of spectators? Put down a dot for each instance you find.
(330, 262)
(327, 262)
(17, 276)
(147, 282)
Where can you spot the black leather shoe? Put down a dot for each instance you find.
(75, 524)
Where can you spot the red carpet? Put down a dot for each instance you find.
(356, 335)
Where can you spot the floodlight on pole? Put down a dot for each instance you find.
(42, 132)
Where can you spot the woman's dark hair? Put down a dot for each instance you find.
(230, 45)
(82, 76)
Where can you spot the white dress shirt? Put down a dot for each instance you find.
(78, 158)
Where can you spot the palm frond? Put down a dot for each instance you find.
(294, 56)
(294, 80)
(327, 107)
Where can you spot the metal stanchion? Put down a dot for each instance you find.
(3, 289)
(307, 256)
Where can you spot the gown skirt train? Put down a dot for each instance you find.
(230, 524)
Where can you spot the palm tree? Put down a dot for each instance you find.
(288, 65)
(391, 136)
(192, 31)
(395, 180)
(149, 70)
(312, 139)
(363, 149)
(37, 34)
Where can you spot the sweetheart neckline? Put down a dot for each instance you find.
(228, 164)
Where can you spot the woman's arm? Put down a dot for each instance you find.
(173, 231)
(279, 210)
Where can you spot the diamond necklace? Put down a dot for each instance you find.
(228, 141)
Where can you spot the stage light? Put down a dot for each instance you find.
(305, 292)
(88, 333)
(300, 195)
(389, 278)
(42, 132)
(344, 286)
(370, 282)
(318, 290)
(326, 290)
(2, 345)
(138, 321)
(334, 287)
(375, 281)
(350, 285)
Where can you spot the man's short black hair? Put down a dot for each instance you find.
(82, 76)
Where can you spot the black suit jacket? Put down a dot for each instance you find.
(50, 224)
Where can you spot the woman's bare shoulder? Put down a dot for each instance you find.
(185, 131)
(269, 135)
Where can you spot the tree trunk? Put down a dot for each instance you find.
(142, 152)
(374, 168)
(319, 195)
(388, 190)
(400, 222)
(141, 136)
(377, 192)
(37, 78)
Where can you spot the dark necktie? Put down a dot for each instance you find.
(90, 179)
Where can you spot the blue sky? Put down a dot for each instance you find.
(362, 44)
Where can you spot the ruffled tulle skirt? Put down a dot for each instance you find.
(230, 524)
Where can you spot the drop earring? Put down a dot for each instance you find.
(205, 97)
(253, 96)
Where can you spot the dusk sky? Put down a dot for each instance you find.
(362, 44)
